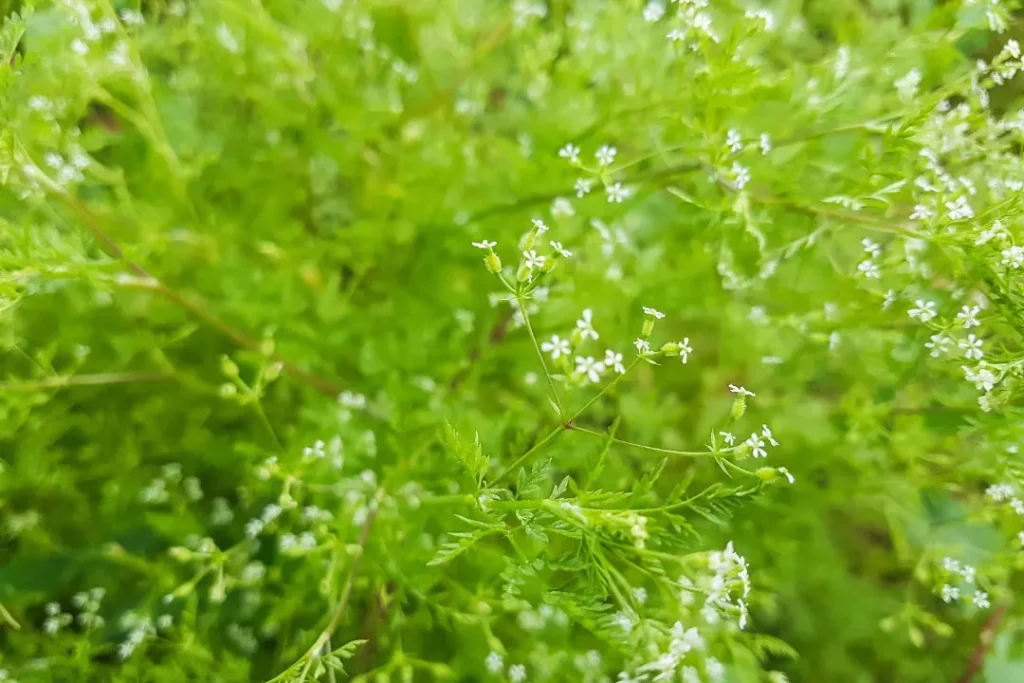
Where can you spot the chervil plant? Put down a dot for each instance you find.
(530, 341)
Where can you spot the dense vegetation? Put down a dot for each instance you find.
(540, 340)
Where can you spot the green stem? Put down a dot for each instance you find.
(655, 449)
(604, 390)
(540, 355)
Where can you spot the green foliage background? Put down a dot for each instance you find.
(296, 198)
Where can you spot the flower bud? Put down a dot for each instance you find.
(647, 328)
(524, 273)
(227, 390)
(739, 406)
(767, 474)
(550, 262)
(526, 243)
(670, 348)
(492, 262)
(228, 367)
(273, 371)
(267, 347)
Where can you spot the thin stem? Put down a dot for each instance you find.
(85, 380)
(604, 390)
(540, 355)
(655, 449)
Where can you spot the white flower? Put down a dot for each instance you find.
(741, 173)
(756, 444)
(227, 38)
(557, 246)
(494, 662)
(887, 301)
(653, 11)
(1020, 537)
(570, 152)
(789, 477)
(539, 225)
(982, 377)
(733, 141)
(950, 593)
(79, 47)
(642, 346)
(968, 573)
(980, 600)
(623, 621)
(586, 325)
(1012, 48)
(728, 437)
(999, 492)
(582, 186)
(968, 315)
(589, 368)
(767, 433)
(907, 86)
(617, 193)
(993, 232)
(869, 269)
(517, 673)
(742, 391)
(658, 315)
(923, 310)
(714, 668)
(1013, 257)
(131, 17)
(676, 35)
(950, 565)
(1018, 505)
(972, 347)
(485, 245)
(532, 259)
(960, 209)
(557, 347)
(685, 349)
(606, 155)
(766, 143)
(921, 213)
(614, 361)
(562, 207)
(871, 247)
(939, 345)
(640, 594)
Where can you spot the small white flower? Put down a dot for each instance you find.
(532, 259)
(557, 246)
(951, 565)
(583, 186)
(1013, 257)
(539, 225)
(888, 300)
(589, 368)
(131, 17)
(968, 573)
(562, 207)
(1020, 537)
(1018, 505)
(656, 314)
(79, 47)
(921, 213)
(741, 173)
(742, 391)
(789, 477)
(640, 594)
(869, 269)
(642, 346)
(685, 349)
(950, 593)
(980, 600)
(988, 235)
(871, 247)
(557, 347)
(728, 438)
(494, 662)
(586, 325)
(968, 315)
(653, 11)
(614, 361)
(570, 152)
(982, 377)
(606, 155)
(617, 193)
(756, 444)
(517, 673)
(972, 347)
(999, 492)
(939, 345)
(733, 141)
(767, 433)
(766, 143)
(485, 245)
(923, 310)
